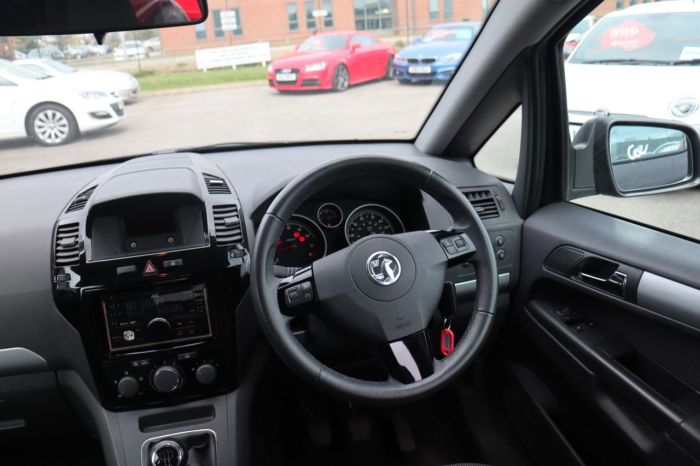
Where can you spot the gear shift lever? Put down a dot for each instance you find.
(168, 452)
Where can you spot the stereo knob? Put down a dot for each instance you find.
(128, 386)
(158, 328)
(205, 374)
(166, 379)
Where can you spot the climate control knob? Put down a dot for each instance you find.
(128, 386)
(205, 374)
(166, 379)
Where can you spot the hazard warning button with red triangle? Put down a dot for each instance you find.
(150, 269)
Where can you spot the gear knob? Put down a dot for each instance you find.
(168, 452)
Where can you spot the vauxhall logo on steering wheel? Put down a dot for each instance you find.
(383, 268)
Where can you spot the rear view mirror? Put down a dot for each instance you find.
(634, 157)
(40, 17)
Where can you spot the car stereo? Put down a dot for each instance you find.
(144, 319)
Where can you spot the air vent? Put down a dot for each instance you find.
(67, 245)
(484, 204)
(216, 185)
(80, 200)
(227, 225)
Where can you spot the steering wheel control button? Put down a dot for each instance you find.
(126, 270)
(166, 379)
(307, 292)
(292, 296)
(127, 386)
(384, 268)
(205, 374)
(456, 245)
(299, 294)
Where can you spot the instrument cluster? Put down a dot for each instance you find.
(318, 229)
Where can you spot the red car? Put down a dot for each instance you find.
(334, 60)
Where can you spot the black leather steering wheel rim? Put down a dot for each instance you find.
(264, 284)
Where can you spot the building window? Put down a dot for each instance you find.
(447, 9)
(293, 16)
(433, 10)
(371, 15)
(619, 4)
(200, 31)
(328, 20)
(239, 23)
(218, 32)
(310, 18)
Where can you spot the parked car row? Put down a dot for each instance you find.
(338, 60)
(52, 103)
(49, 110)
(119, 83)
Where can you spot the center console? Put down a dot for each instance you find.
(150, 261)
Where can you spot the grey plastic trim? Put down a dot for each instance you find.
(18, 361)
(669, 298)
(467, 290)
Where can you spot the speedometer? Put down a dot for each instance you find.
(300, 243)
(371, 219)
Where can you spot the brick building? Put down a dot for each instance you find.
(291, 21)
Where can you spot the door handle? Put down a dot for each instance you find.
(614, 282)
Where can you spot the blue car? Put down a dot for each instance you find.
(435, 56)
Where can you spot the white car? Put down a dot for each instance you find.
(50, 111)
(644, 61)
(113, 82)
(130, 50)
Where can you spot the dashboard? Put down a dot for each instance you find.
(133, 276)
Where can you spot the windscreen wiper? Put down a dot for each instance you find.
(219, 147)
(692, 61)
(624, 61)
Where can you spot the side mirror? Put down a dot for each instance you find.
(355, 45)
(416, 40)
(634, 157)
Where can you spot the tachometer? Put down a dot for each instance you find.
(301, 243)
(371, 219)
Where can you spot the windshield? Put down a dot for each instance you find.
(644, 38)
(272, 72)
(327, 42)
(449, 34)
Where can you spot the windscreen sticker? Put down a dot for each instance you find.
(628, 36)
(690, 53)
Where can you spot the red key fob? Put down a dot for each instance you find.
(447, 341)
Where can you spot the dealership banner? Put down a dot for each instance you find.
(234, 55)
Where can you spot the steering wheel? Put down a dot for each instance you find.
(382, 290)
